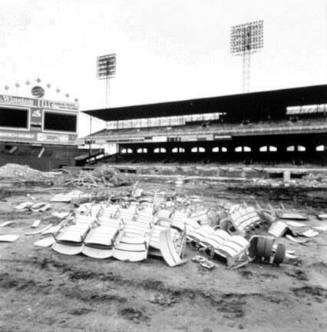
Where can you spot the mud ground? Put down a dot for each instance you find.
(41, 290)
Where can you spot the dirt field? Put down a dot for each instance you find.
(45, 291)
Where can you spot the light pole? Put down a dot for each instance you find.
(247, 39)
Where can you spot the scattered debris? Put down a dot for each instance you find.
(36, 223)
(297, 240)
(310, 233)
(204, 262)
(322, 216)
(69, 239)
(8, 237)
(103, 175)
(265, 249)
(99, 242)
(136, 224)
(68, 197)
(292, 216)
(7, 223)
(60, 215)
(278, 229)
(322, 228)
(23, 172)
(35, 207)
(171, 245)
(45, 242)
(295, 224)
(40, 231)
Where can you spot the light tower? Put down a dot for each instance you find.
(247, 39)
(106, 69)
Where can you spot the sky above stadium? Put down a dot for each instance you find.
(166, 49)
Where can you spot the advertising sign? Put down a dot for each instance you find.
(38, 91)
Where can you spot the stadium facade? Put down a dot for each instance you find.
(286, 125)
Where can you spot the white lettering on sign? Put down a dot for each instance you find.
(41, 103)
(11, 100)
(17, 135)
(52, 138)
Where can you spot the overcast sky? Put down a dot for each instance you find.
(166, 49)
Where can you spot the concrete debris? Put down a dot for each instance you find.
(296, 240)
(23, 172)
(68, 197)
(34, 207)
(9, 237)
(310, 233)
(40, 207)
(292, 216)
(45, 242)
(322, 228)
(24, 205)
(208, 265)
(7, 223)
(295, 224)
(199, 259)
(36, 223)
(40, 231)
(60, 215)
(103, 175)
(204, 262)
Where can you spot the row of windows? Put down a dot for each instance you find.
(216, 149)
(162, 121)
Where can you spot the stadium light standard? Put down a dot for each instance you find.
(247, 39)
(106, 69)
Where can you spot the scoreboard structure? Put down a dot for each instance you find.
(38, 132)
(34, 120)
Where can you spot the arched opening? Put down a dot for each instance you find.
(320, 148)
(269, 148)
(126, 151)
(178, 150)
(198, 149)
(142, 150)
(159, 150)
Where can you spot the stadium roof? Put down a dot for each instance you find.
(249, 105)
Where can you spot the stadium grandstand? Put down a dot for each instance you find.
(286, 125)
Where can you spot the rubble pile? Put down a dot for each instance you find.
(22, 172)
(318, 180)
(103, 175)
